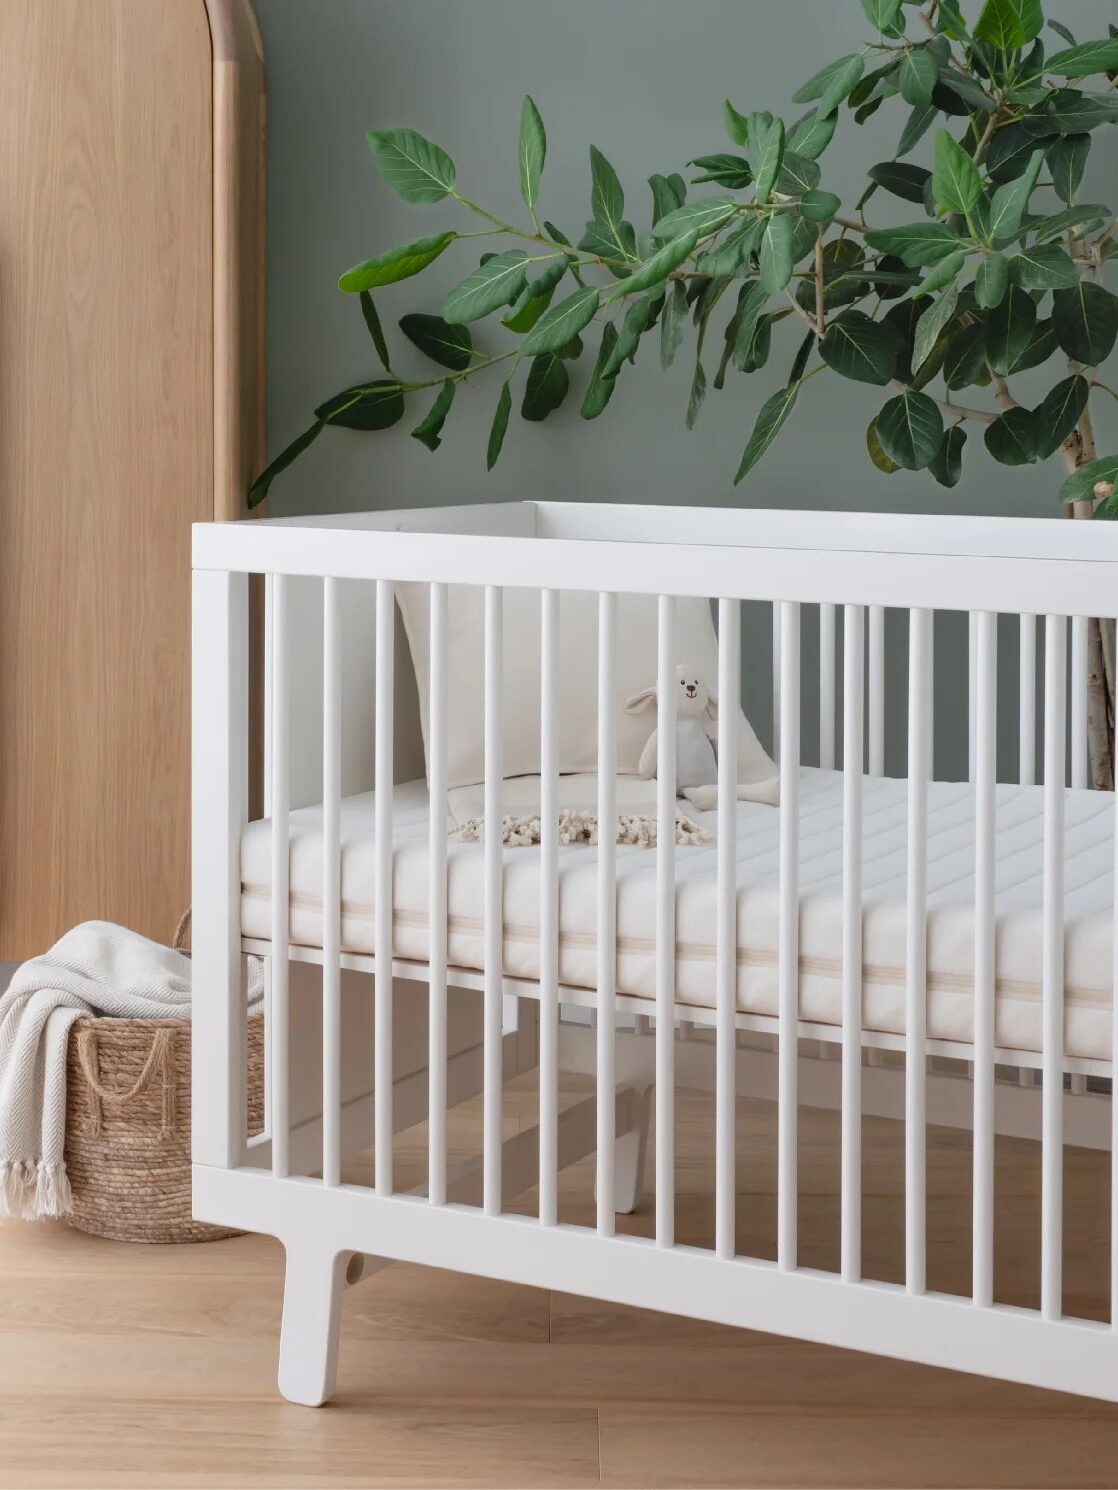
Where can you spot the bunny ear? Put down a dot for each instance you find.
(640, 701)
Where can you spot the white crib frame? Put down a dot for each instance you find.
(336, 1233)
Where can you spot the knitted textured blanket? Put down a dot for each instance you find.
(96, 968)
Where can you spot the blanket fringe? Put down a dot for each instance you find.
(581, 827)
(34, 1192)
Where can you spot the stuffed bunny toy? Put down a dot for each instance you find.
(696, 760)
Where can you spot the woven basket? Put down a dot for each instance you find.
(128, 1125)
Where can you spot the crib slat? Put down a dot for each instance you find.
(1114, 1091)
(549, 907)
(726, 974)
(279, 1008)
(494, 941)
(382, 887)
(986, 690)
(331, 887)
(1078, 686)
(788, 979)
(1026, 688)
(916, 915)
(827, 686)
(877, 691)
(853, 627)
(1052, 972)
(972, 692)
(666, 688)
(607, 912)
(437, 919)
(776, 681)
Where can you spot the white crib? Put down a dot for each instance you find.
(957, 1033)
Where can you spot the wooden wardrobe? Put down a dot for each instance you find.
(131, 405)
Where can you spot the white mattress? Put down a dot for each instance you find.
(1089, 902)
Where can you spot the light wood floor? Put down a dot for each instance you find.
(131, 1366)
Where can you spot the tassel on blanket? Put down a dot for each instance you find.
(580, 827)
(33, 1192)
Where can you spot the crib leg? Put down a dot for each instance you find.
(312, 1305)
(629, 1156)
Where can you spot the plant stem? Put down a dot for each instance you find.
(945, 406)
(821, 324)
(1004, 397)
(798, 308)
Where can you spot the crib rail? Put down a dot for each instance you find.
(851, 602)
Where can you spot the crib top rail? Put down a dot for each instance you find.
(1015, 565)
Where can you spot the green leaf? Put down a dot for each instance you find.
(876, 453)
(910, 429)
(955, 179)
(702, 217)
(901, 179)
(1044, 267)
(599, 390)
(449, 346)
(672, 321)
(882, 13)
(395, 264)
(859, 348)
(665, 197)
(259, 488)
(1007, 24)
(657, 268)
(839, 85)
(949, 20)
(1067, 157)
(754, 298)
(1007, 206)
(731, 171)
(1062, 31)
(1058, 414)
(698, 393)
(811, 135)
(1080, 486)
(369, 406)
(1085, 320)
(941, 273)
(376, 331)
(918, 76)
(429, 432)
(413, 167)
(947, 463)
(1009, 153)
(527, 310)
(775, 258)
(766, 151)
(532, 153)
(495, 283)
(737, 126)
(797, 175)
(817, 85)
(732, 253)
(1091, 213)
(499, 426)
(634, 326)
(931, 323)
(991, 280)
(1041, 346)
(1009, 328)
(546, 388)
(1012, 438)
(819, 206)
(561, 323)
(607, 200)
(770, 420)
(916, 127)
(606, 242)
(803, 352)
(966, 356)
(968, 93)
(1081, 61)
(1068, 111)
(917, 243)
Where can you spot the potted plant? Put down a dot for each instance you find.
(1001, 268)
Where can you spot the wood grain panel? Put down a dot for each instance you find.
(108, 181)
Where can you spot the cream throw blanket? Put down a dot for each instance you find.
(96, 968)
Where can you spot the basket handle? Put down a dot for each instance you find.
(159, 1058)
(181, 937)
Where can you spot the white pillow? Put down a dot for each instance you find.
(696, 646)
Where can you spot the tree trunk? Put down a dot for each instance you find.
(1100, 690)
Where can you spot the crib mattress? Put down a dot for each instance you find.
(1089, 917)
